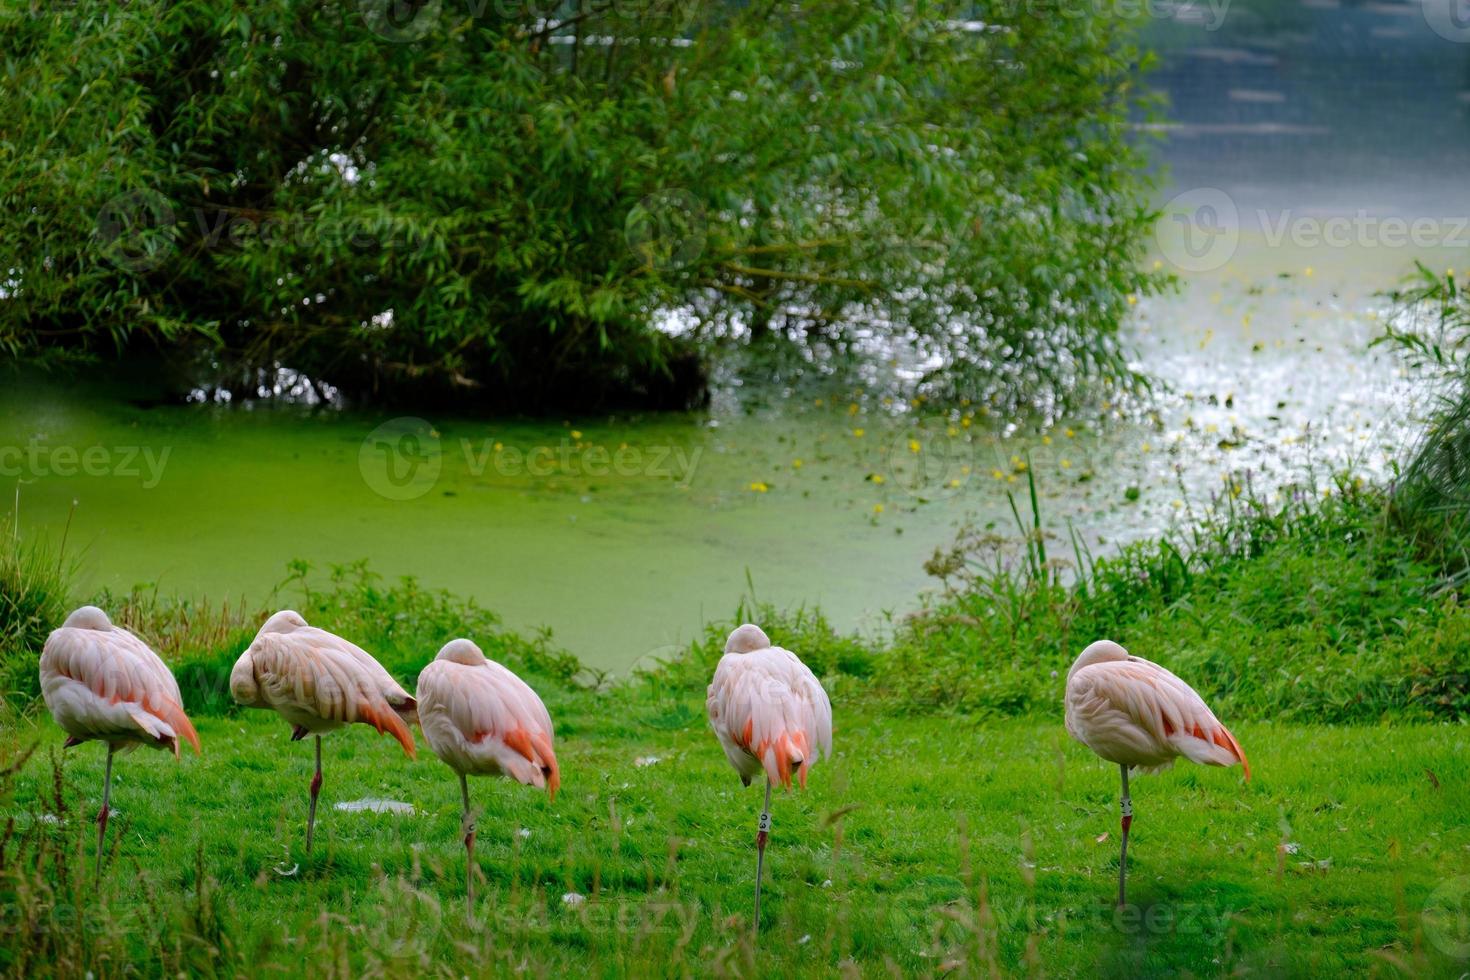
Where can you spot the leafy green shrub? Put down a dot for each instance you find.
(482, 202)
(1431, 498)
(1310, 609)
(34, 584)
(836, 657)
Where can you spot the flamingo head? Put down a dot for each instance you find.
(747, 639)
(284, 621)
(1102, 651)
(88, 618)
(462, 652)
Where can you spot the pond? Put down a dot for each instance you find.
(625, 533)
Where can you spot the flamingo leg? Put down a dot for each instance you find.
(467, 827)
(763, 831)
(1123, 856)
(316, 787)
(102, 814)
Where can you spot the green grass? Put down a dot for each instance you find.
(926, 845)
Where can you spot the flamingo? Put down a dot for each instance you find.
(101, 682)
(770, 713)
(483, 720)
(1137, 714)
(319, 682)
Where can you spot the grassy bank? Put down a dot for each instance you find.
(927, 845)
(957, 829)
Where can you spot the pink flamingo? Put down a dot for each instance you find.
(319, 682)
(483, 720)
(770, 714)
(1135, 713)
(101, 682)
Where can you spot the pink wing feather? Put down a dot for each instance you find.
(107, 683)
(483, 719)
(1133, 709)
(769, 712)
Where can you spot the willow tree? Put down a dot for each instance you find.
(507, 200)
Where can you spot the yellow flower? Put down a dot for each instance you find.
(1069, 433)
(914, 445)
(965, 422)
(951, 432)
(498, 447)
(1147, 447)
(796, 464)
(852, 409)
(1310, 271)
(1066, 464)
(576, 434)
(1158, 264)
(877, 508)
(997, 474)
(819, 403)
(1046, 440)
(859, 433)
(759, 487)
(877, 478)
(954, 483)
(1132, 300)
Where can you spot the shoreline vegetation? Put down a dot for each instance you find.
(1324, 630)
(956, 829)
(1332, 608)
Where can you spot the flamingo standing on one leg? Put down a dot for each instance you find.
(770, 713)
(1137, 714)
(319, 682)
(483, 720)
(102, 682)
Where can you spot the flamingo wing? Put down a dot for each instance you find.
(485, 719)
(769, 712)
(312, 673)
(1134, 709)
(108, 684)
